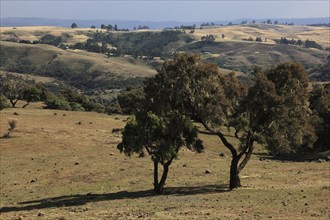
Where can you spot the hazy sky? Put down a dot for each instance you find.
(165, 10)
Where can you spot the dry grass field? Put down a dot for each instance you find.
(238, 32)
(232, 33)
(65, 165)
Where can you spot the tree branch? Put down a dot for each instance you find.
(222, 137)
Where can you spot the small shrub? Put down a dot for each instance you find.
(12, 125)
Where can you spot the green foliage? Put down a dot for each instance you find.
(51, 40)
(13, 87)
(3, 102)
(278, 109)
(161, 137)
(69, 99)
(197, 89)
(320, 105)
(131, 99)
(57, 102)
(152, 44)
(208, 38)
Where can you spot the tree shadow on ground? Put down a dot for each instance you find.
(302, 157)
(77, 200)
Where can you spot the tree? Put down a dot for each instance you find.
(31, 94)
(277, 109)
(161, 137)
(208, 38)
(258, 39)
(103, 26)
(93, 27)
(198, 89)
(74, 25)
(12, 87)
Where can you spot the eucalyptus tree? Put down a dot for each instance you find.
(268, 112)
(199, 90)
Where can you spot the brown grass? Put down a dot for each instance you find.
(42, 54)
(37, 79)
(238, 32)
(54, 165)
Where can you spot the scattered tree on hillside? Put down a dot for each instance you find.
(13, 87)
(208, 38)
(31, 94)
(312, 44)
(258, 39)
(74, 25)
(161, 137)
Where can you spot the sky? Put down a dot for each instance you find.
(166, 10)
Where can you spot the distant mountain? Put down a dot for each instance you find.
(130, 24)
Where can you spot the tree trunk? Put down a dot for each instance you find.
(13, 103)
(26, 105)
(155, 176)
(235, 167)
(159, 187)
(235, 181)
(163, 179)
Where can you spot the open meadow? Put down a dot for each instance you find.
(65, 165)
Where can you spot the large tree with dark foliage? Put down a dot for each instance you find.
(198, 89)
(275, 111)
(278, 111)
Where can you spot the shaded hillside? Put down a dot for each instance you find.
(78, 68)
(241, 56)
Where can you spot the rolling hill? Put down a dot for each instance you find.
(142, 51)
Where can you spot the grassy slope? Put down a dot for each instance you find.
(232, 33)
(50, 61)
(229, 53)
(238, 32)
(44, 54)
(107, 185)
(240, 55)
